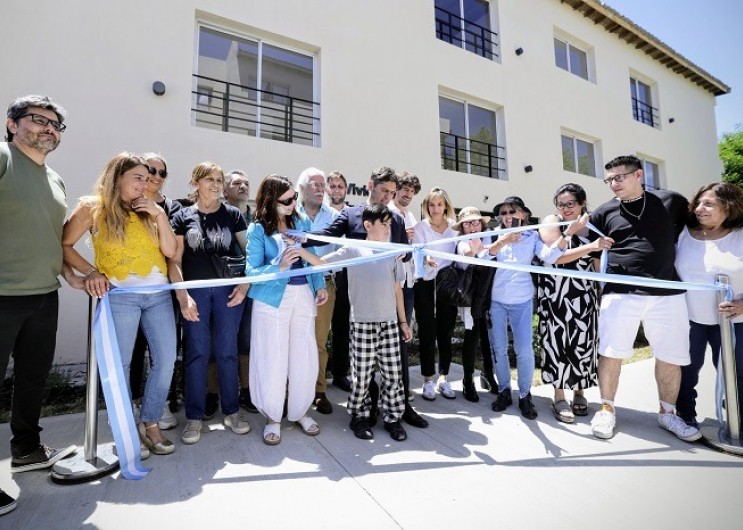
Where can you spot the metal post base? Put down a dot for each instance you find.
(718, 438)
(76, 470)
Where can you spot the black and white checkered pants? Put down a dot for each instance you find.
(376, 342)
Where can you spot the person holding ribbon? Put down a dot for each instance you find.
(132, 240)
(512, 299)
(283, 347)
(436, 318)
(205, 234)
(711, 244)
(568, 307)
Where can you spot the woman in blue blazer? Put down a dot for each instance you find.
(282, 343)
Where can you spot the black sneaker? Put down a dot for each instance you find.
(7, 503)
(469, 391)
(527, 407)
(42, 458)
(344, 383)
(503, 401)
(360, 427)
(245, 401)
(396, 430)
(411, 417)
(211, 406)
(322, 405)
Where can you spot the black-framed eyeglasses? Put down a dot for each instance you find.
(287, 202)
(619, 178)
(38, 119)
(568, 204)
(152, 171)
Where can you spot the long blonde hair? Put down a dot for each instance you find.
(438, 193)
(106, 206)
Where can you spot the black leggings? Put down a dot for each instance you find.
(479, 331)
(436, 321)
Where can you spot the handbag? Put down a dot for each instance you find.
(228, 266)
(455, 286)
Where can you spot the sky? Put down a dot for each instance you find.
(707, 32)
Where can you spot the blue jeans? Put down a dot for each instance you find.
(155, 311)
(520, 317)
(699, 336)
(217, 325)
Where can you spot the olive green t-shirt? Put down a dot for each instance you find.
(32, 212)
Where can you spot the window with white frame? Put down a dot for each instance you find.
(467, 24)
(571, 58)
(250, 86)
(642, 103)
(651, 171)
(469, 139)
(578, 155)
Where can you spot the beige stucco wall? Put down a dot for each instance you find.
(379, 72)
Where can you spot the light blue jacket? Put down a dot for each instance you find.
(262, 249)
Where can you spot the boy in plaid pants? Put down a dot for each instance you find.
(377, 309)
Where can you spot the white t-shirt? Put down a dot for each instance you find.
(699, 261)
(425, 234)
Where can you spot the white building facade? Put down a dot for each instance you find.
(485, 99)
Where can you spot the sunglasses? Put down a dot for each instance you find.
(152, 171)
(287, 202)
(506, 212)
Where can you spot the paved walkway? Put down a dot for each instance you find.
(470, 469)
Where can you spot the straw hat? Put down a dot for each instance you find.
(470, 213)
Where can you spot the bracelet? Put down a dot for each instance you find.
(91, 271)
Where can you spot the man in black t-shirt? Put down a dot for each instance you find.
(644, 226)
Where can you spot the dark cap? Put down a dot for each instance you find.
(516, 201)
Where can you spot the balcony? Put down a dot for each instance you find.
(455, 30)
(645, 113)
(472, 156)
(230, 107)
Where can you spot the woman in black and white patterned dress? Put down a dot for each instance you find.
(568, 310)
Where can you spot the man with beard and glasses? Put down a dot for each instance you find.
(311, 190)
(32, 210)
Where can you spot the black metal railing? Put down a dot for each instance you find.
(455, 30)
(247, 110)
(645, 113)
(472, 156)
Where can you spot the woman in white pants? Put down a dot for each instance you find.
(282, 344)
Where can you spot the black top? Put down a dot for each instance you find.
(205, 234)
(644, 246)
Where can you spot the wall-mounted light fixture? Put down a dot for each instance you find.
(528, 169)
(158, 87)
(519, 51)
(485, 198)
(671, 120)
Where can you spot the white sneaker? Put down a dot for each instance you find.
(603, 424)
(191, 432)
(677, 426)
(237, 423)
(167, 421)
(429, 391)
(445, 390)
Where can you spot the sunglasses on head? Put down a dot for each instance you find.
(287, 202)
(152, 171)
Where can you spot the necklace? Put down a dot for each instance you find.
(642, 210)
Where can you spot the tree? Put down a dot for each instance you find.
(731, 154)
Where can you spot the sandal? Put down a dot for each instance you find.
(272, 434)
(580, 405)
(562, 411)
(308, 426)
(164, 447)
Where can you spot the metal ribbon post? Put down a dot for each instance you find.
(727, 437)
(96, 461)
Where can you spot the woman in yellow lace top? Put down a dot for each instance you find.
(131, 239)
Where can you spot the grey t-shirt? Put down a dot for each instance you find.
(371, 286)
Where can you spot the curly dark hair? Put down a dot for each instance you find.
(730, 198)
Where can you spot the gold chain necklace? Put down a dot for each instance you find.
(642, 210)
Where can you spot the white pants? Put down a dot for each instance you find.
(283, 348)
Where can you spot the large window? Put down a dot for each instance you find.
(466, 23)
(256, 88)
(642, 103)
(578, 155)
(571, 58)
(469, 139)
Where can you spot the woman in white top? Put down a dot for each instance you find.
(711, 244)
(435, 318)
